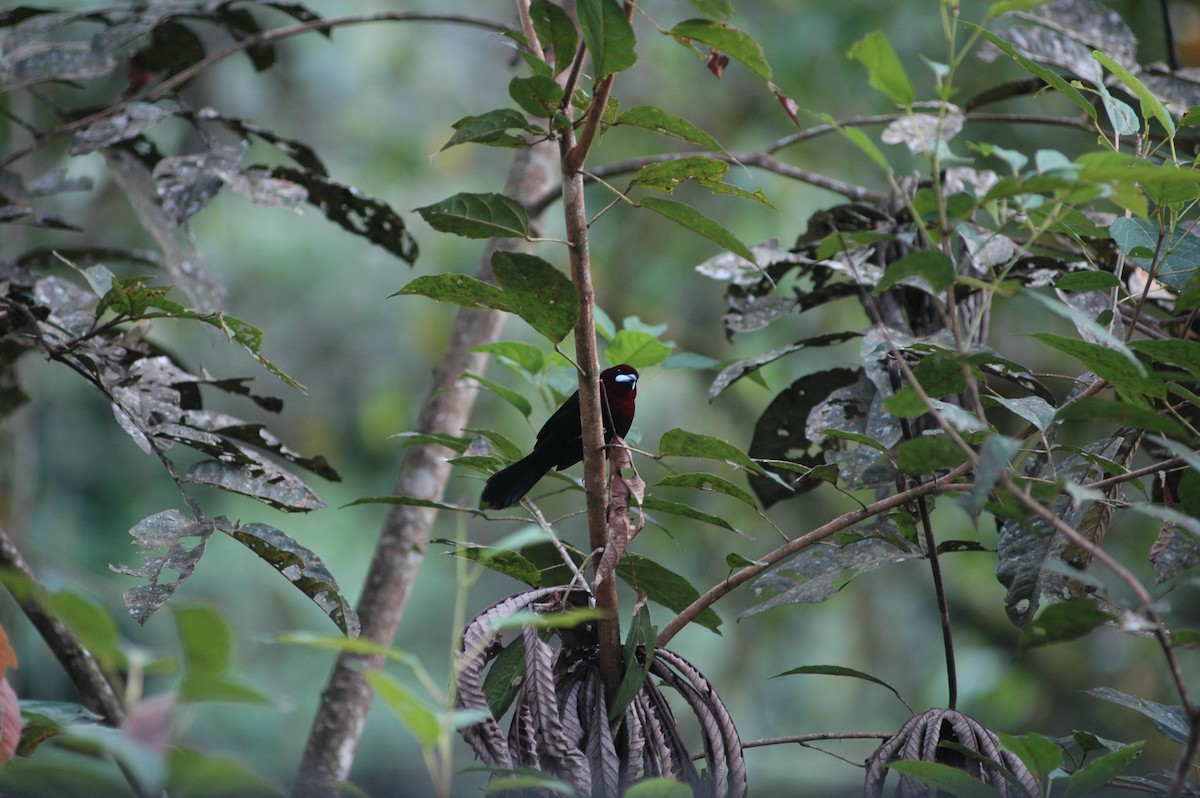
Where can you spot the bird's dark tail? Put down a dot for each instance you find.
(509, 485)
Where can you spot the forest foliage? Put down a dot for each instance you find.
(1045, 438)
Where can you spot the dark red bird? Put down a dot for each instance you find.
(560, 440)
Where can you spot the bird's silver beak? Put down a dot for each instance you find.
(625, 378)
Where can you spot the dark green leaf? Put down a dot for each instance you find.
(714, 8)
(458, 289)
(478, 216)
(504, 677)
(412, 501)
(838, 670)
(928, 454)
(994, 459)
(1170, 720)
(507, 394)
(1175, 260)
(303, 568)
(1095, 775)
(1052, 78)
(608, 35)
(885, 72)
(1177, 352)
(639, 640)
(945, 778)
(659, 786)
(1041, 755)
(490, 129)
(728, 39)
(636, 348)
(692, 219)
(664, 587)
(651, 118)
(97, 630)
(704, 481)
(704, 170)
(537, 292)
(1087, 280)
(504, 561)
(1151, 105)
(736, 562)
(555, 31)
(1124, 413)
(1066, 620)
(422, 719)
(655, 504)
(682, 443)
(931, 265)
(1127, 378)
(537, 95)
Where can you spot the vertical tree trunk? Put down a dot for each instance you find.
(400, 551)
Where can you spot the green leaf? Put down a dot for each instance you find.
(663, 586)
(636, 348)
(1178, 258)
(490, 129)
(608, 35)
(1177, 352)
(640, 636)
(735, 43)
(681, 443)
(945, 778)
(412, 501)
(507, 394)
(530, 360)
(1087, 280)
(97, 630)
(859, 139)
(1041, 755)
(692, 219)
(838, 670)
(419, 717)
(207, 645)
(504, 677)
(930, 264)
(885, 72)
(1151, 105)
(537, 292)
(1095, 775)
(1034, 409)
(537, 95)
(555, 31)
(566, 619)
(650, 118)
(659, 786)
(994, 460)
(1005, 6)
(1123, 413)
(1066, 620)
(504, 561)
(478, 216)
(714, 8)
(1049, 76)
(705, 481)
(704, 170)
(525, 782)
(928, 454)
(655, 504)
(1127, 378)
(1172, 721)
(460, 289)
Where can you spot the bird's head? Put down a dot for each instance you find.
(620, 380)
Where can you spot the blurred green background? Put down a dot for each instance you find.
(376, 102)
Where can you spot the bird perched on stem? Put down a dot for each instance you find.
(560, 440)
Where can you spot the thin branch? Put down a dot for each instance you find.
(338, 724)
(765, 563)
(801, 739)
(81, 667)
(154, 93)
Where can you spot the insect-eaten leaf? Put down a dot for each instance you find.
(165, 530)
(1066, 620)
(302, 568)
(259, 479)
(537, 292)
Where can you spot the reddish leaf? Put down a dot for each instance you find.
(717, 61)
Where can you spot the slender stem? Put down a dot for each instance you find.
(94, 687)
(765, 563)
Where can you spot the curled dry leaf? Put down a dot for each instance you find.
(560, 724)
(921, 738)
